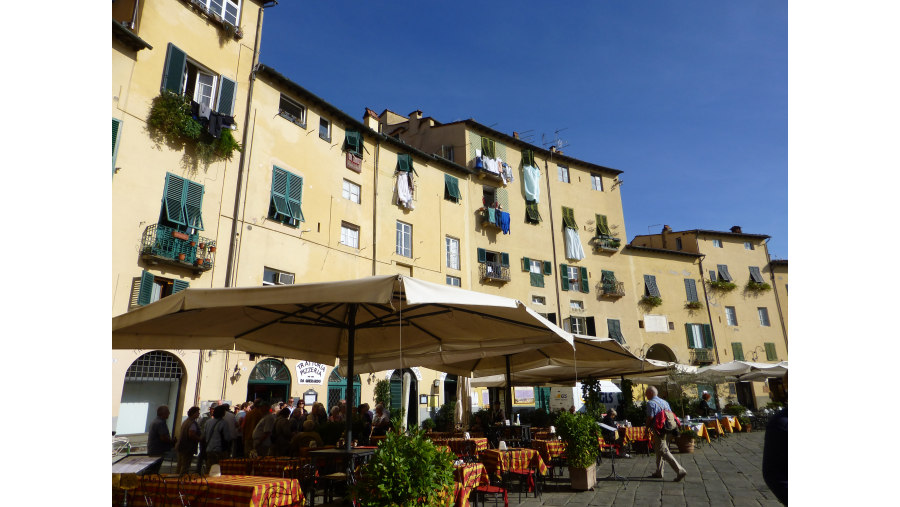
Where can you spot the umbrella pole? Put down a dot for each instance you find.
(508, 391)
(351, 337)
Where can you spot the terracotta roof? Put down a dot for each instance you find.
(708, 231)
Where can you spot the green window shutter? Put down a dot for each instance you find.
(755, 275)
(145, 292)
(548, 268)
(116, 130)
(690, 289)
(607, 276)
(481, 255)
(353, 142)
(564, 276)
(537, 279)
(227, 89)
(396, 392)
(528, 158)
(771, 355)
(569, 218)
(173, 70)
(295, 195)
(179, 285)
(451, 188)
(531, 212)
(650, 285)
(707, 336)
(737, 350)
(503, 199)
(173, 196)
(602, 226)
(526, 264)
(193, 204)
(504, 259)
(404, 163)
(487, 148)
(688, 328)
(279, 192)
(615, 330)
(585, 286)
(723, 272)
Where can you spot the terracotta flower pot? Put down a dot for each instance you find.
(181, 257)
(212, 249)
(685, 444)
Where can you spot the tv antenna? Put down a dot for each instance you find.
(650, 228)
(526, 136)
(556, 141)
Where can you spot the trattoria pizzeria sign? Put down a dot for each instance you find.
(309, 372)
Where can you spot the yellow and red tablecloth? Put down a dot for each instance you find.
(467, 477)
(232, 491)
(265, 467)
(497, 461)
(549, 449)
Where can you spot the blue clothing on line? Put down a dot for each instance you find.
(504, 222)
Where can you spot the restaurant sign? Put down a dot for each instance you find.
(354, 163)
(309, 372)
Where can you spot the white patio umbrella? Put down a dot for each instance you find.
(370, 324)
(762, 371)
(463, 401)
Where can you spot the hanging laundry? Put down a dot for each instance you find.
(574, 251)
(490, 165)
(479, 162)
(500, 171)
(204, 111)
(507, 172)
(217, 122)
(532, 177)
(492, 216)
(404, 193)
(504, 222)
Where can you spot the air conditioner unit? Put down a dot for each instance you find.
(285, 279)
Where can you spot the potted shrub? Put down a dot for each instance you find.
(686, 439)
(694, 305)
(651, 301)
(580, 433)
(745, 423)
(406, 470)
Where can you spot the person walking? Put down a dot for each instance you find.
(260, 409)
(218, 435)
(658, 419)
(188, 440)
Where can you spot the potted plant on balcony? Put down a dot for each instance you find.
(693, 305)
(181, 257)
(721, 285)
(651, 301)
(580, 433)
(758, 287)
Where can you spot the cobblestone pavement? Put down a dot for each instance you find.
(726, 473)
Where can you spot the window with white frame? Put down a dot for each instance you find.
(452, 252)
(349, 235)
(350, 191)
(536, 266)
(748, 245)
(325, 129)
(277, 277)
(731, 316)
(404, 239)
(577, 305)
(292, 111)
(200, 84)
(578, 325)
(563, 173)
(763, 316)
(538, 300)
(717, 243)
(453, 280)
(596, 182)
(229, 10)
(574, 276)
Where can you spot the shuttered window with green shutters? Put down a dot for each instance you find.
(771, 354)
(353, 142)
(152, 288)
(755, 275)
(116, 132)
(723, 272)
(584, 280)
(227, 92)
(145, 292)
(564, 276)
(690, 289)
(175, 75)
(650, 285)
(615, 330)
(404, 163)
(707, 336)
(174, 70)
(602, 226)
(528, 158)
(182, 203)
(569, 218)
(532, 216)
(451, 188)
(287, 196)
(737, 350)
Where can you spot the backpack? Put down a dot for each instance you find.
(671, 422)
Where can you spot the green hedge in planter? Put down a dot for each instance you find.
(652, 301)
(722, 285)
(580, 432)
(170, 121)
(758, 287)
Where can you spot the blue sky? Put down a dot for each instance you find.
(690, 100)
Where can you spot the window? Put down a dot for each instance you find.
(731, 316)
(712, 275)
(494, 265)
(184, 76)
(763, 316)
(596, 182)
(724, 275)
(748, 245)
(276, 277)
(577, 325)
(153, 288)
(452, 252)
(574, 278)
(577, 305)
(717, 243)
(678, 245)
(699, 336)
(602, 226)
(404, 239)
(229, 10)
(292, 111)
(650, 287)
(453, 280)
(489, 195)
(116, 131)
(353, 143)
(563, 173)
(771, 354)
(350, 191)
(447, 152)
(538, 300)
(755, 275)
(737, 350)
(451, 188)
(549, 316)
(182, 204)
(287, 193)
(690, 289)
(325, 129)
(615, 330)
(536, 270)
(349, 235)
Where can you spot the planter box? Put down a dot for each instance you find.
(583, 479)
(685, 444)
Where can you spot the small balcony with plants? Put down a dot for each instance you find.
(161, 244)
(693, 305)
(611, 289)
(605, 243)
(702, 356)
(493, 271)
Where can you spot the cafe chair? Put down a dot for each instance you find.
(153, 488)
(638, 439)
(469, 454)
(272, 494)
(307, 475)
(193, 490)
(529, 479)
(494, 490)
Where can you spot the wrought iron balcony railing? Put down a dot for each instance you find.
(494, 271)
(170, 246)
(489, 217)
(605, 243)
(611, 289)
(701, 356)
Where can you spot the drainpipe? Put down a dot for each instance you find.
(559, 321)
(375, 209)
(774, 289)
(708, 311)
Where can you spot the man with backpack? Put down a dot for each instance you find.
(218, 435)
(662, 422)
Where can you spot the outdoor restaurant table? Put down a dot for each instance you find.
(466, 478)
(713, 423)
(333, 455)
(549, 449)
(700, 429)
(265, 467)
(237, 490)
(541, 434)
(497, 461)
(458, 445)
(730, 423)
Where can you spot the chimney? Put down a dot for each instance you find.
(665, 235)
(515, 134)
(370, 119)
(666, 229)
(736, 229)
(417, 114)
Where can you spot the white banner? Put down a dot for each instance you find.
(309, 372)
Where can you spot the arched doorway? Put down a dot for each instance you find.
(153, 379)
(412, 412)
(450, 388)
(337, 391)
(270, 380)
(661, 352)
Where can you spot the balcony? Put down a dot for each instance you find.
(165, 245)
(605, 244)
(611, 289)
(493, 271)
(701, 356)
(485, 218)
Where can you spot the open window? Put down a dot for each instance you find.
(185, 76)
(153, 288)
